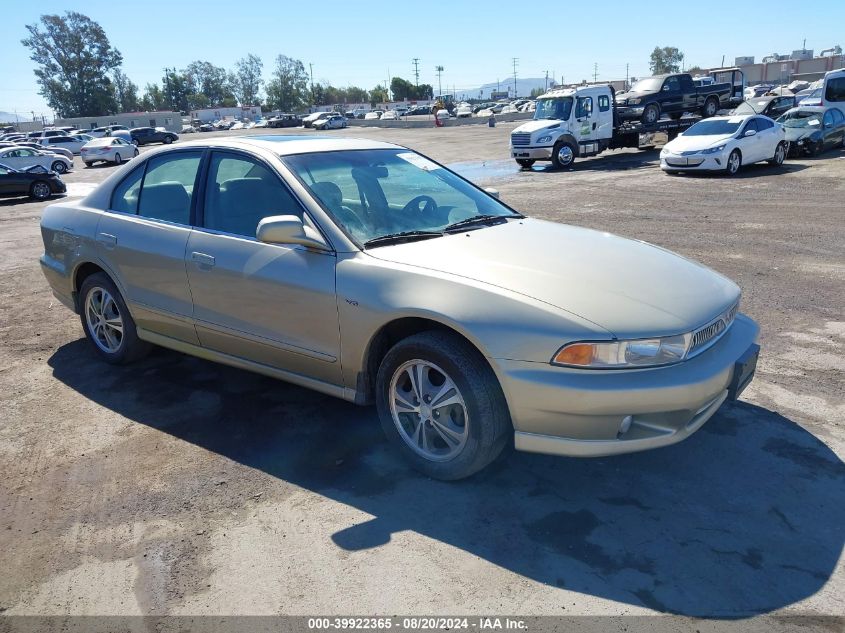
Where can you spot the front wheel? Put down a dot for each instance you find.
(780, 155)
(40, 190)
(440, 404)
(168, 140)
(107, 322)
(734, 163)
(118, 160)
(59, 167)
(563, 156)
(651, 114)
(525, 162)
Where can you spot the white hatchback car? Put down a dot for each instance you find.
(725, 144)
(107, 149)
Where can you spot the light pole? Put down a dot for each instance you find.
(439, 70)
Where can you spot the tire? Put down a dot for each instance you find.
(816, 148)
(525, 162)
(168, 140)
(116, 348)
(563, 155)
(59, 167)
(88, 164)
(734, 163)
(136, 154)
(477, 421)
(40, 190)
(136, 142)
(711, 107)
(651, 114)
(118, 159)
(780, 155)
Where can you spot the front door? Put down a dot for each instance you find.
(142, 240)
(268, 303)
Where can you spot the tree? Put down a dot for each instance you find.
(246, 81)
(153, 98)
(210, 80)
(288, 86)
(403, 89)
(125, 92)
(378, 95)
(695, 70)
(74, 59)
(177, 91)
(665, 60)
(354, 94)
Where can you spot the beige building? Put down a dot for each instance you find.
(171, 121)
(241, 113)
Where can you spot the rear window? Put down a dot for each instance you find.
(835, 90)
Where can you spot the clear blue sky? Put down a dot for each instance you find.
(357, 42)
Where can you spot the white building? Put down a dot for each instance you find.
(241, 113)
(171, 121)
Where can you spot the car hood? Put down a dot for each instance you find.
(539, 124)
(692, 143)
(797, 133)
(629, 288)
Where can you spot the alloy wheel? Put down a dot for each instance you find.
(41, 190)
(565, 155)
(428, 410)
(105, 323)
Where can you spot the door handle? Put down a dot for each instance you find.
(202, 259)
(107, 239)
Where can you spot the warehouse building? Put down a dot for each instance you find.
(241, 113)
(171, 121)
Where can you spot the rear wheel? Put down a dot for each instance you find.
(168, 140)
(440, 403)
(118, 159)
(651, 114)
(563, 155)
(780, 155)
(59, 167)
(107, 322)
(525, 162)
(734, 163)
(40, 190)
(711, 106)
(88, 163)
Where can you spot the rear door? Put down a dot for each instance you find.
(142, 240)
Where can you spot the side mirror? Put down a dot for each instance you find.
(288, 229)
(750, 132)
(492, 192)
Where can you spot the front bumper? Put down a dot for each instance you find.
(629, 112)
(531, 153)
(694, 162)
(564, 411)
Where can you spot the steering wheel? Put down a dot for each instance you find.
(421, 204)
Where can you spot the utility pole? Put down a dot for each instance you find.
(311, 72)
(546, 86)
(626, 77)
(416, 61)
(515, 64)
(439, 70)
(595, 72)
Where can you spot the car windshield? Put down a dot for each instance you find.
(801, 118)
(557, 108)
(651, 84)
(751, 107)
(377, 193)
(714, 127)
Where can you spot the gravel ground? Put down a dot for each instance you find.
(177, 486)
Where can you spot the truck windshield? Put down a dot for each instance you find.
(557, 108)
(712, 127)
(652, 84)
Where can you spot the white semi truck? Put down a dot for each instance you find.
(576, 122)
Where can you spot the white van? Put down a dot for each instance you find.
(833, 90)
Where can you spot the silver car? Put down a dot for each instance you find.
(368, 272)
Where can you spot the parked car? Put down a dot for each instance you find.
(107, 150)
(358, 113)
(25, 158)
(188, 129)
(464, 110)
(206, 127)
(40, 186)
(811, 98)
(56, 151)
(813, 129)
(73, 144)
(237, 125)
(373, 114)
(311, 119)
(283, 120)
(757, 91)
(674, 95)
(330, 123)
(262, 123)
(584, 344)
(146, 135)
(833, 90)
(724, 144)
(771, 107)
(106, 130)
(390, 115)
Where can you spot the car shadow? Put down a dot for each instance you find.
(743, 518)
(756, 170)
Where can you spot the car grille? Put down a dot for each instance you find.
(520, 138)
(690, 153)
(713, 331)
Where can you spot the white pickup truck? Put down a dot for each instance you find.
(577, 122)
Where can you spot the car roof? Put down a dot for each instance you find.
(287, 144)
(731, 117)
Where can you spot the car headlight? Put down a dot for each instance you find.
(624, 354)
(713, 150)
(634, 101)
(545, 139)
(665, 152)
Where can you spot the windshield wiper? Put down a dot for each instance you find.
(485, 219)
(398, 238)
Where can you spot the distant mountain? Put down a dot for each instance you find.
(11, 117)
(524, 86)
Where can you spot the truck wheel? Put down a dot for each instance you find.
(651, 114)
(525, 162)
(711, 106)
(563, 155)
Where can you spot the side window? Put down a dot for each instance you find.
(584, 107)
(764, 124)
(241, 192)
(835, 89)
(672, 84)
(751, 125)
(838, 117)
(828, 118)
(169, 186)
(124, 198)
(604, 103)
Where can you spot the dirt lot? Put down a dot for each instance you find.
(179, 486)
